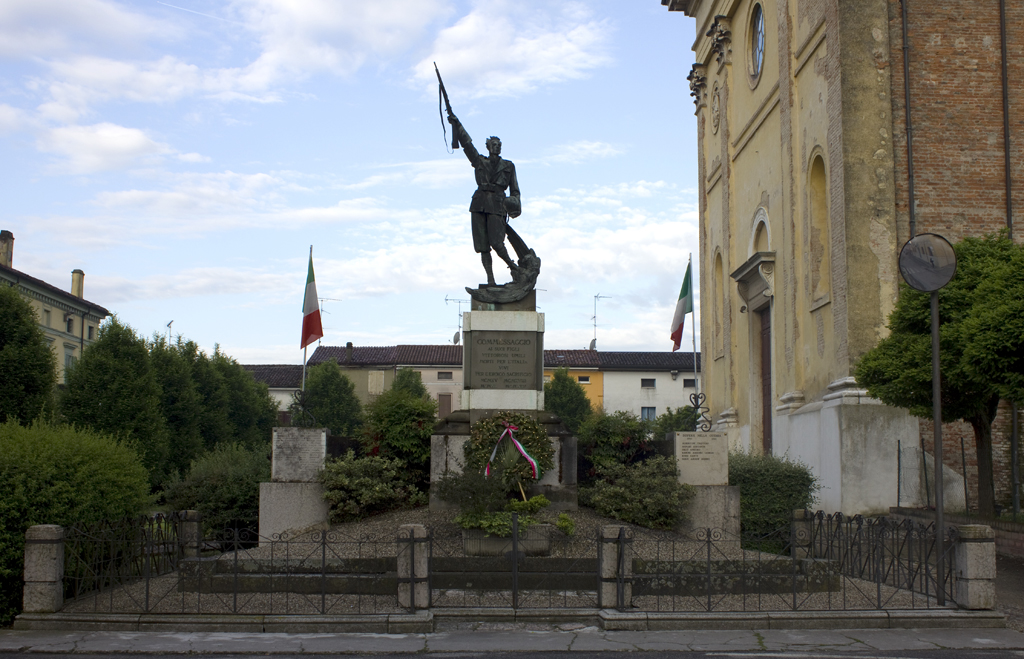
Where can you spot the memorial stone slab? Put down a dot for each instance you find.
(702, 457)
(298, 454)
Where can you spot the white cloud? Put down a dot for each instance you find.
(11, 118)
(33, 28)
(581, 151)
(193, 157)
(100, 147)
(504, 48)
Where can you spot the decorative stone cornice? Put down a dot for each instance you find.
(721, 40)
(755, 280)
(729, 418)
(790, 401)
(699, 85)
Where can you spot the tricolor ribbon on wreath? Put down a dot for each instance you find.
(522, 451)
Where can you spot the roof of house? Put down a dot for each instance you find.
(27, 280)
(277, 376)
(451, 355)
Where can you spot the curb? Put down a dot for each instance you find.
(425, 622)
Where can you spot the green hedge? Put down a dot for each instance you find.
(52, 474)
(771, 488)
(357, 488)
(224, 486)
(645, 493)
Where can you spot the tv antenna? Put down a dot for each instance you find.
(593, 344)
(327, 299)
(169, 331)
(458, 332)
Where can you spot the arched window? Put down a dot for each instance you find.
(820, 243)
(761, 240)
(756, 41)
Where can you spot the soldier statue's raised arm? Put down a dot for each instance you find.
(490, 207)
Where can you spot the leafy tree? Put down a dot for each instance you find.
(898, 370)
(180, 402)
(683, 419)
(564, 396)
(113, 389)
(26, 361)
(398, 425)
(251, 412)
(330, 400)
(996, 328)
(410, 381)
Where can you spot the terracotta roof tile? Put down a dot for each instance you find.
(276, 376)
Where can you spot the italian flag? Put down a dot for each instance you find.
(683, 306)
(312, 327)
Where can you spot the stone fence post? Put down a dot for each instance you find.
(44, 569)
(801, 526)
(615, 567)
(190, 531)
(413, 562)
(975, 561)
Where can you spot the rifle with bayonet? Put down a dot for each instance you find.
(444, 94)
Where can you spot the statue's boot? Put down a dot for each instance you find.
(503, 255)
(486, 258)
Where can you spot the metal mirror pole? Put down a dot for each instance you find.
(940, 525)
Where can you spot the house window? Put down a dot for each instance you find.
(648, 413)
(71, 324)
(91, 329)
(584, 379)
(547, 378)
(444, 405)
(69, 361)
(689, 383)
(46, 318)
(444, 375)
(647, 383)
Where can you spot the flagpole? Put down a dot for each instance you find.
(304, 348)
(696, 389)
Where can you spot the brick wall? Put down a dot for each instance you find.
(959, 161)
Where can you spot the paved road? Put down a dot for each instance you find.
(583, 642)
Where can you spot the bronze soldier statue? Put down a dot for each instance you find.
(490, 208)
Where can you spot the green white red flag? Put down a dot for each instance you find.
(683, 306)
(312, 326)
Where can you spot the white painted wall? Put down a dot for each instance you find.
(437, 386)
(622, 391)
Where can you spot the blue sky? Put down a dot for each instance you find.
(186, 154)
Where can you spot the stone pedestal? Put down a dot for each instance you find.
(293, 500)
(615, 565)
(44, 569)
(975, 563)
(702, 459)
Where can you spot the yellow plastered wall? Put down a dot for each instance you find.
(594, 388)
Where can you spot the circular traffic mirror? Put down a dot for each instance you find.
(927, 262)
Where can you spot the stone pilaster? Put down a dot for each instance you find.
(44, 569)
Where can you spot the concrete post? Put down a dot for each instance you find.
(800, 529)
(190, 533)
(975, 562)
(44, 569)
(413, 562)
(615, 566)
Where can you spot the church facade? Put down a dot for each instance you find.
(804, 198)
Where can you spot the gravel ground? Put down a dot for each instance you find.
(375, 538)
(1010, 590)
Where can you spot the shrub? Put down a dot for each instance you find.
(565, 524)
(499, 523)
(771, 488)
(409, 381)
(612, 439)
(473, 492)
(398, 426)
(645, 493)
(564, 396)
(684, 419)
(52, 474)
(224, 486)
(357, 488)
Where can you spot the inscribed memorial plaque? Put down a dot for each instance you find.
(299, 454)
(503, 360)
(702, 457)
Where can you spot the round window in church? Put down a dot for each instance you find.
(756, 41)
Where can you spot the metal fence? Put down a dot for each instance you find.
(822, 562)
(162, 565)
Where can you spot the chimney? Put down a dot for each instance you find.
(77, 283)
(6, 248)
(348, 352)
